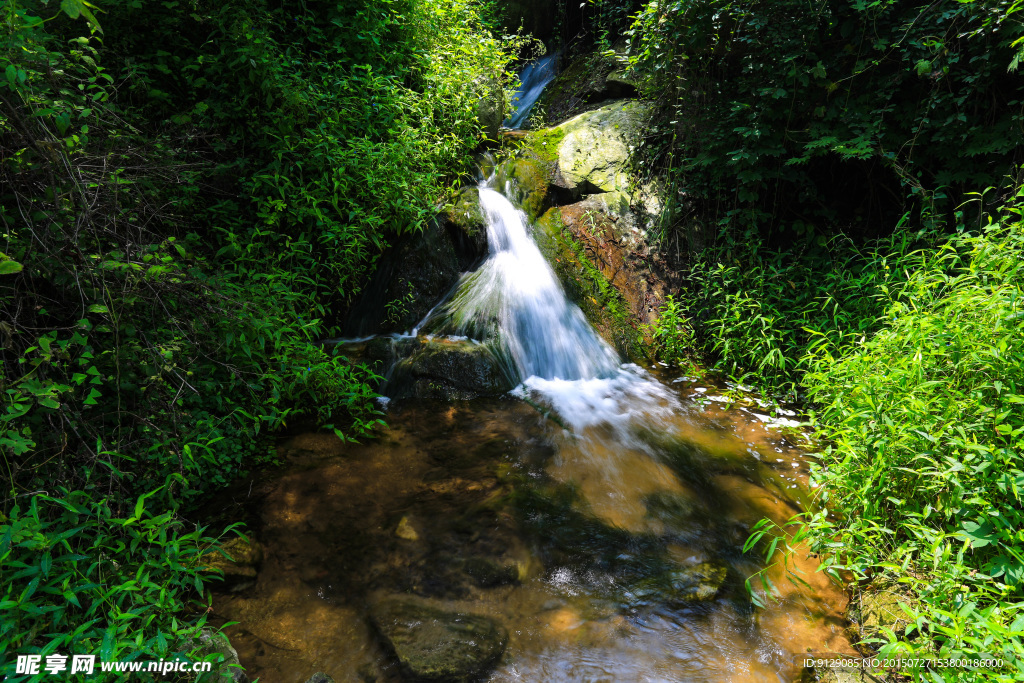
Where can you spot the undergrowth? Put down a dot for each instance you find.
(908, 357)
(190, 196)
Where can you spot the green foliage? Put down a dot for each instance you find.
(673, 338)
(794, 121)
(80, 579)
(757, 317)
(187, 206)
(909, 353)
(925, 470)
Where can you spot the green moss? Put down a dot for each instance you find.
(586, 286)
(544, 143)
(465, 212)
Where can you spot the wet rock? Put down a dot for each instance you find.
(450, 369)
(414, 274)
(488, 573)
(240, 564)
(467, 228)
(588, 80)
(320, 677)
(605, 270)
(433, 644)
(525, 182)
(214, 646)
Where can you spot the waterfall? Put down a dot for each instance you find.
(515, 299)
(533, 79)
(516, 296)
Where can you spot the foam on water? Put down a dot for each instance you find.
(516, 297)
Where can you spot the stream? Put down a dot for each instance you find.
(596, 514)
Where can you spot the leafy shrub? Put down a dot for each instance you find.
(924, 472)
(79, 579)
(673, 339)
(187, 207)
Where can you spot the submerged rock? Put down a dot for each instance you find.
(450, 369)
(433, 644)
(240, 564)
(406, 531)
(488, 573)
(698, 583)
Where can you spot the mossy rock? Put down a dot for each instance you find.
(526, 182)
(433, 644)
(881, 607)
(450, 369)
(467, 227)
(214, 646)
(414, 274)
(595, 147)
(585, 286)
(490, 108)
(587, 81)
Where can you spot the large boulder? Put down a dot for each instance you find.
(418, 270)
(433, 644)
(450, 369)
(593, 148)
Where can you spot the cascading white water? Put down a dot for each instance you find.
(533, 79)
(515, 298)
(516, 295)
